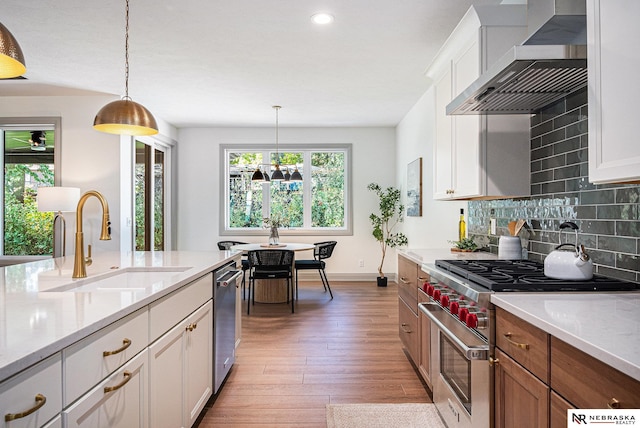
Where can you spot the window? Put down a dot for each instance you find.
(28, 152)
(150, 195)
(319, 204)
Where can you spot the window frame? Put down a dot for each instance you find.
(30, 122)
(223, 228)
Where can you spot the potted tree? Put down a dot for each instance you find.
(390, 214)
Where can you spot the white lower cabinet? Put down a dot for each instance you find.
(120, 401)
(33, 397)
(181, 367)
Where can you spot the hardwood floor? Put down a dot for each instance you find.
(289, 366)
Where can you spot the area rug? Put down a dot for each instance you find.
(418, 415)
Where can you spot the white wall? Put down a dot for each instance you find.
(91, 160)
(199, 198)
(415, 137)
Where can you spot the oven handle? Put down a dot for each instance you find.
(471, 352)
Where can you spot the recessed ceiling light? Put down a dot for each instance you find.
(322, 18)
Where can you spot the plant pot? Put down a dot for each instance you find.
(382, 281)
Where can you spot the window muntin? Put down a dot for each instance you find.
(318, 204)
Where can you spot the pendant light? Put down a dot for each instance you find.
(11, 58)
(277, 174)
(296, 176)
(125, 116)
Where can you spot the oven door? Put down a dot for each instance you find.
(459, 358)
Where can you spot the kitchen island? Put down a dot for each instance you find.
(137, 322)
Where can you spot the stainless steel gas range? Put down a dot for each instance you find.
(462, 327)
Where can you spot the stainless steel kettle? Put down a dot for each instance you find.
(568, 261)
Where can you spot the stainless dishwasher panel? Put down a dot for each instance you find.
(224, 322)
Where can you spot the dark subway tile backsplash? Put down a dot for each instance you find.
(608, 216)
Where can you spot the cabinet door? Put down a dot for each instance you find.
(166, 378)
(466, 129)
(120, 401)
(198, 361)
(521, 399)
(408, 329)
(612, 34)
(558, 411)
(442, 156)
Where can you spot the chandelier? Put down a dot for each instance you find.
(278, 175)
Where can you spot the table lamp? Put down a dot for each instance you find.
(58, 199)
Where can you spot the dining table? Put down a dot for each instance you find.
(272, 290)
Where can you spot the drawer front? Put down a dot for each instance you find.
(124, 404)
(589, 383)
(25, 391)
(175, 307)
(90, 360)
(408, 282)
(523, 342)
(408, 329)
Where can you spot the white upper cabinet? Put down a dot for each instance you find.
(478, 156)
(613, 90)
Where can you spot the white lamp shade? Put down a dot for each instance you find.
(58, 198)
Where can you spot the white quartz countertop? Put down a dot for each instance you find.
(426, 256)
(40, 315)
(603, 325)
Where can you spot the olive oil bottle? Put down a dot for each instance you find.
(462, 226)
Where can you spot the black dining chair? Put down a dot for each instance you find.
(226, 245)
(322, 251)
(270, 264)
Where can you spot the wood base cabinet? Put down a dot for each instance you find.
(521, 399)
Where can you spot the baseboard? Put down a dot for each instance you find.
(344, 276)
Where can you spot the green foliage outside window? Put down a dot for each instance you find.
(27, 231)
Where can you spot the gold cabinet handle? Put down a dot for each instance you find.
(125, 344)
(426, 278)
(40, 401)
(524, 346)
(404, 280)
(613, 404)
(494, 361)
(403, 325)
(127, 378)
(192, 326)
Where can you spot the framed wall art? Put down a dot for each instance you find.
(414, 188)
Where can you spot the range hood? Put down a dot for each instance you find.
(550, 64)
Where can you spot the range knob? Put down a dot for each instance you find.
(454, 307)
(425, 286)
(463, 313)
(430, 289)
(472, 320)
(436, 295)
(444, 300)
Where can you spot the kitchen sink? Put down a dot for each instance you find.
(127, 279)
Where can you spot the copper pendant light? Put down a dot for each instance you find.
(125, 116)
(11, 58)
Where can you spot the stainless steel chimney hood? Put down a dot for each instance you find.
(549, 65)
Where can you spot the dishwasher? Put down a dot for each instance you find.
(224, 321)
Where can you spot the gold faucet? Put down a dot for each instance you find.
(80, 262)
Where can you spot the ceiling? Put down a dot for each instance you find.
(198, 63)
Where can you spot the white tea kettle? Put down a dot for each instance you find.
(568, 261)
